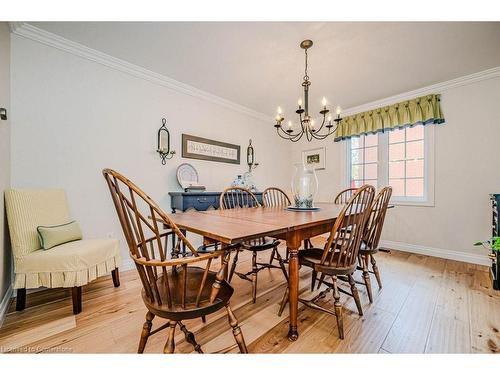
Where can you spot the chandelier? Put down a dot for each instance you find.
(307, 123)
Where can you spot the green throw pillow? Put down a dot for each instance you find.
(54, 235)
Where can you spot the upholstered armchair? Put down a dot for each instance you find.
(69, 265)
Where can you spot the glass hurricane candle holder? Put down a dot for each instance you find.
(304, 185)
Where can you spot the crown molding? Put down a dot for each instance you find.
(34, 33)
(432, 89)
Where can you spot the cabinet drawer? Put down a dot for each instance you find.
(201, 203)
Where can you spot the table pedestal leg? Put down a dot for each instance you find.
(293, 285)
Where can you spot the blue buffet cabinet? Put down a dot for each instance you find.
(200, 201)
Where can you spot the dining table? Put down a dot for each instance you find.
(230, 227)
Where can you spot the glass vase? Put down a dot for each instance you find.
(304, 185)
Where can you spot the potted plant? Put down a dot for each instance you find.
(494, 246)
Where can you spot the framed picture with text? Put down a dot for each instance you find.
(207, 149)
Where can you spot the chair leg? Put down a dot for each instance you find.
(233, 266)
(238, 336)
(284, 301)
(355, 294)
(366, 278)
(170, 344)
(203, 319)
(146, 330)
(254, 276)
(282, 264)
(313, 279)
(376, 271)
(272, 255)
(21, 299)
(338, 308)
(116, 277)
(190, 338)
(76, 293)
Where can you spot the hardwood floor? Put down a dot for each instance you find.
(427, 305)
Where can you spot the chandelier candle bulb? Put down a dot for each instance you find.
(338, 111)
(324, 102)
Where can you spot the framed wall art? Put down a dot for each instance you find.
(207, 149)
(315, 158)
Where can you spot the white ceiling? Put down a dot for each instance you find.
(260, 65)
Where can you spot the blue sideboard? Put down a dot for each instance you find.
(200, 201)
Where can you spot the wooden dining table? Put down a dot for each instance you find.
(234, 226)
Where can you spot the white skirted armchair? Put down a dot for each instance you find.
(69, 265)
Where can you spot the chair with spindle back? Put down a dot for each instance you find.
(275, 197)
(344, 196)
(339, 255)
(341, 198)
(174, 289)
(370, 242)
(235, 198)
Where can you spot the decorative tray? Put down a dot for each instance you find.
(293, 208)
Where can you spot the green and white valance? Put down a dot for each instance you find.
(420, 111)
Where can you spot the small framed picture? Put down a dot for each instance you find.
(315, 158)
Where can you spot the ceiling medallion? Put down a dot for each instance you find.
(307, 124)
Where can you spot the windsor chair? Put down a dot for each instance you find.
(344, 195)
(339, 255)
(235, 198)
(370, 242)
(275, 197)
(174, 289)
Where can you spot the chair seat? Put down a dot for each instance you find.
(191, 311)
(71, 264)
(312, 258)
(260, 244)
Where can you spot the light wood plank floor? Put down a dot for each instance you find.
(426, 305)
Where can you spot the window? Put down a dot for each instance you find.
(401, 158)
(364, 159)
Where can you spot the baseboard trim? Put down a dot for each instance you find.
(439, 253)
(127, 264)
(4, 305)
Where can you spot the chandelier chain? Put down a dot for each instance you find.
(306, 77)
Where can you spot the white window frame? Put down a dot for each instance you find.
(383, 168)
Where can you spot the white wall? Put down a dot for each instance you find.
(5, 258)
(73, 117)
(466, 171)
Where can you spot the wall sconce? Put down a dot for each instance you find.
(251, 157)
(164, 143)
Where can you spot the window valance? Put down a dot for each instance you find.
(419, 111)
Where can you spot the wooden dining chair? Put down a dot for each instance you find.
(339, 255)
(344, 196)
(370, 242)
(174, 289)
(235, 198)
(275, 197)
